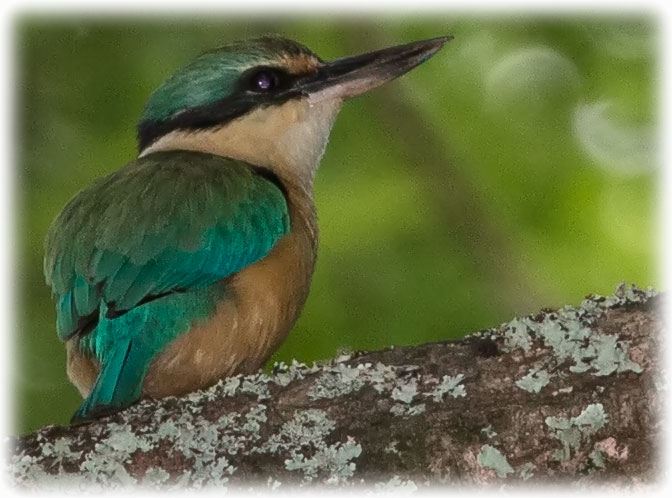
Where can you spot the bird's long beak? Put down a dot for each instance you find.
(351, 76)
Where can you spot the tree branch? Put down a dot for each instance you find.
(566, 394)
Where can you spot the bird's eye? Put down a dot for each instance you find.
(263, 81)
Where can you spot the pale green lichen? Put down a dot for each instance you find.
(392, 447)
(189, 436)
(568, 334)
(396, 485)
(123, 439)
(572, 432)
(526, 470)
(224, 388)
(407, 410)
(517, 336)
(405, 390)
(335, 460)
(256, 385)
(534, 380)
(305, 435)
(284, 374)
(155, 477)
(625, 293)
(307, 428)
(105, 465)
(597, 459)
(60, 450)
(610, 355)
(449, 385)
(204, 442)
(338, 380)
(491, 458)
(380, 376)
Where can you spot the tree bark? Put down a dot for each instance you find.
(567, 396)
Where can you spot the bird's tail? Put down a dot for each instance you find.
(119, 382)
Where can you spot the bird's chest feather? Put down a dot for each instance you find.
(262, 303)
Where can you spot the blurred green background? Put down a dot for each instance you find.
(517, 169)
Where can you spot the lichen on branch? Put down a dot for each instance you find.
(564, 394)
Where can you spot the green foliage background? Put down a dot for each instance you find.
(514, 170)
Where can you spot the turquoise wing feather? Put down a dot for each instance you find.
(133, 258)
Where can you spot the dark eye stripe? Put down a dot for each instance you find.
(253, 89)
(265, 79)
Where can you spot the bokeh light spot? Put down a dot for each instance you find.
(532, 85)
(618, 148)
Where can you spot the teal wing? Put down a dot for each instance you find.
(146, 239)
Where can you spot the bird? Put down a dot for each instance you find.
(192, 262)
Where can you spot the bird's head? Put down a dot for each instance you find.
(269, 101)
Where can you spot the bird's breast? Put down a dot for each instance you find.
(263, 301)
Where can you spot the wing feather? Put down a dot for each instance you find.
(170, 221)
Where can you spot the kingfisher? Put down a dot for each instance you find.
(193, 262)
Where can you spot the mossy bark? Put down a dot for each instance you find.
(566, 396)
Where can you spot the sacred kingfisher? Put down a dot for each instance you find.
(192, 262)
